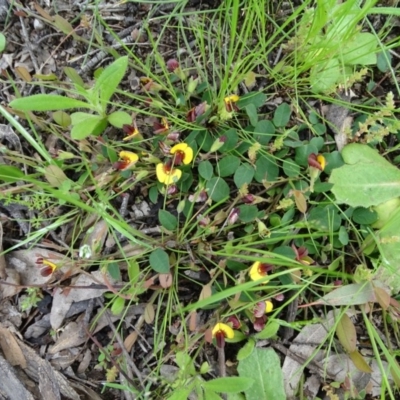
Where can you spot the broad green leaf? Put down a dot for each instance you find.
(361, 50)
(110, 78)
(353, 294)
(8, 173)
(384, 61)
(251, 112)
(133, 271)
(364, 216)
(264, 366)
(269, 331)
(159, 261)
(218, 189)
(264, 130)
(266, 169)
(324, 75)
(61, 118)
(47, 102)
(247, 212)
(346, 333)
(74, 76)
(210, 394)
(231, 384)
(206, 170)
(64, 26)
(282, 115)
(180, 394)
(119, 118)
(291, 169)
(243, 175)
(227, 166)
(325, 218)
(367, 179)
(167, 220)
(256, 98)
(114, 271)
(246, 350)
(92, 125)
(231, 141)
(118, 306)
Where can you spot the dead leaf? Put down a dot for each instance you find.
(193, 321)
(23, 73)
(382, 297)
(346, 333)
(149, 313)
(250, 79)
(300, 200)
(55, 175)
(11, 349)
(206, 292)
(165, 280)
(130, 340)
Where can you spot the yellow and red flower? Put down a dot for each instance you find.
(259, 270)
(46, 267)
(128, 159)
(221, 332)
(132, 131)
(182, 154)
(302, 255)
(317, 161)
(230, 102)
(167, 174)
(161, 127)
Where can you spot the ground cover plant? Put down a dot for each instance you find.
(205, 204)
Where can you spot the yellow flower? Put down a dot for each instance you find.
(221, 332)
(268, 306)
(46, 267)
(183, 153)
(224, 329)
(132, 131)
(167, 174)
(259, 270)
(230, 102)
(128, 158)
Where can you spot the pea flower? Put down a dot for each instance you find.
(128, 159)
(317, 163)
(161, 127)
(167, 174)
(132, 131)
(47, 267)
(221, 332)
(302, 255)
(182, 154)
(172, 64)
(263, 307)
(259, 270)
(196, 112)
(230, 102)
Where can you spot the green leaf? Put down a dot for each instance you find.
(269, 331)
(210, 394)
(231, 140)
(246, 350)
(153, 194)
(206, 170)
(61, 118)
(361, 50)
(290, 169)
(110, 78)
(119, 118)
(159, 261)
(167, 220)
(251, 112)
(244, 174)
(366, 180)
(231, 384)
(91, 125)
(9, 173)
(343, 236)
(114, 271)
(228, 165)
(324, 75)
(2, 42)
(282, 115)
(256, 98)
(55, 175)
(133, 271)
(47, 102)
(325, 218)
(217, 189)
(180, 394)
(266, 169)
(264, 366)
(74, 76)
(364, 216)
(384, 61)
(118, 306)
(247, 212)
(264, 130)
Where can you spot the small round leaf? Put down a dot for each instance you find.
(159, 261)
